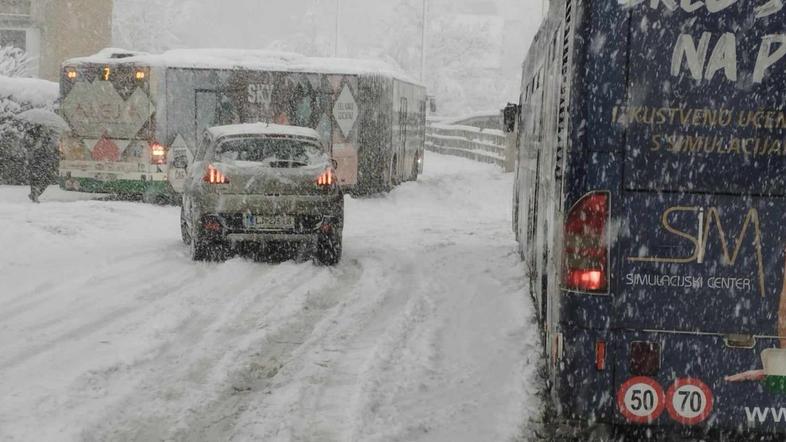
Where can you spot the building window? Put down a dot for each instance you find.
(16, 7)
(16, 38)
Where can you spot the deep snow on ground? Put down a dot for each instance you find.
(423, 333)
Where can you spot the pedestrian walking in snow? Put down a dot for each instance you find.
(42, 130)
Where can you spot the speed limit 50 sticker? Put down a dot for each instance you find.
(641, 400)
(689, 401)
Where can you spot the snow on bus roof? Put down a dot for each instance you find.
(247, 59)
(233, 130)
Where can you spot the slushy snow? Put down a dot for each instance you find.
(424, 332)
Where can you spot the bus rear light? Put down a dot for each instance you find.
(326, 179)
(585, 252)
(644, 358)
(157, 154)
(214, 176)
(600, 355)
(588, 280)
(211, 224)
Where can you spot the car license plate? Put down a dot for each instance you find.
(278, 222)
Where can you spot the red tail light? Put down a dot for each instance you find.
(157, 154)
(327, 178)
(585, 254)
(214, 176)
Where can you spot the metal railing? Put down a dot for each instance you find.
(484, 145)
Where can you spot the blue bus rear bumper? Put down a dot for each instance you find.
(584, 393)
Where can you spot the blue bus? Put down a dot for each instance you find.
(650, 210)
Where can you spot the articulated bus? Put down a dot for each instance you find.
(650, 209)
(135, 119)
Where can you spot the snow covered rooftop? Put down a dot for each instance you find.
(246, 59)
(262, 129)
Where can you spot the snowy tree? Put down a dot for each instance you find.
(15, 62)
(453, 49)
(150, 25)
(16, 96)
(309, 39)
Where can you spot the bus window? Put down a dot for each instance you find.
(206, 111)
(203, 147)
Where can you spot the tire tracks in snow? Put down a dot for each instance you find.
(257, 350)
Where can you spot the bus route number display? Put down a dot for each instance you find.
(641, 400)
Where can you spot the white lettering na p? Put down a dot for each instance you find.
(769, 8)
(767, 57)
(695, 56)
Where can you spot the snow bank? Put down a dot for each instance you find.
(247, 59)
(29, 91)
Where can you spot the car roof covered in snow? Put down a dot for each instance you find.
(247, 59)
(251, 129)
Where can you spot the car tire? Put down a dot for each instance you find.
(203, 249)
(329, 249)
(199, 247)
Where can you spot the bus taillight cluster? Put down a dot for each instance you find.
(585, 253)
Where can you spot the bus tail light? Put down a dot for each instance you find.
(585, 253)
(157, 154)
(600, 355)
(214, 176)
(327, 179)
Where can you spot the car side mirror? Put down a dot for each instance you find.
(335, 164)
(180, 162)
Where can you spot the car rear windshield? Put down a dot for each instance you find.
(276, 152)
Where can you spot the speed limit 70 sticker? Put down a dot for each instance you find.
(641, 400)
(689, 401)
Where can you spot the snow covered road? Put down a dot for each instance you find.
(423, 333)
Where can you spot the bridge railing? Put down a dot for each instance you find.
(484, 145)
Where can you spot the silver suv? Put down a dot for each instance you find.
(262, 184)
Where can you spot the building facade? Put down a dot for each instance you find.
(51, 31)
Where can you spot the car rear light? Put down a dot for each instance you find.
(600, 355)
(214, 176)
(585, 253)
(327, 179)
(644, 358)
(157, 154)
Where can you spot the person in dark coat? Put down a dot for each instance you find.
(43, 158)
